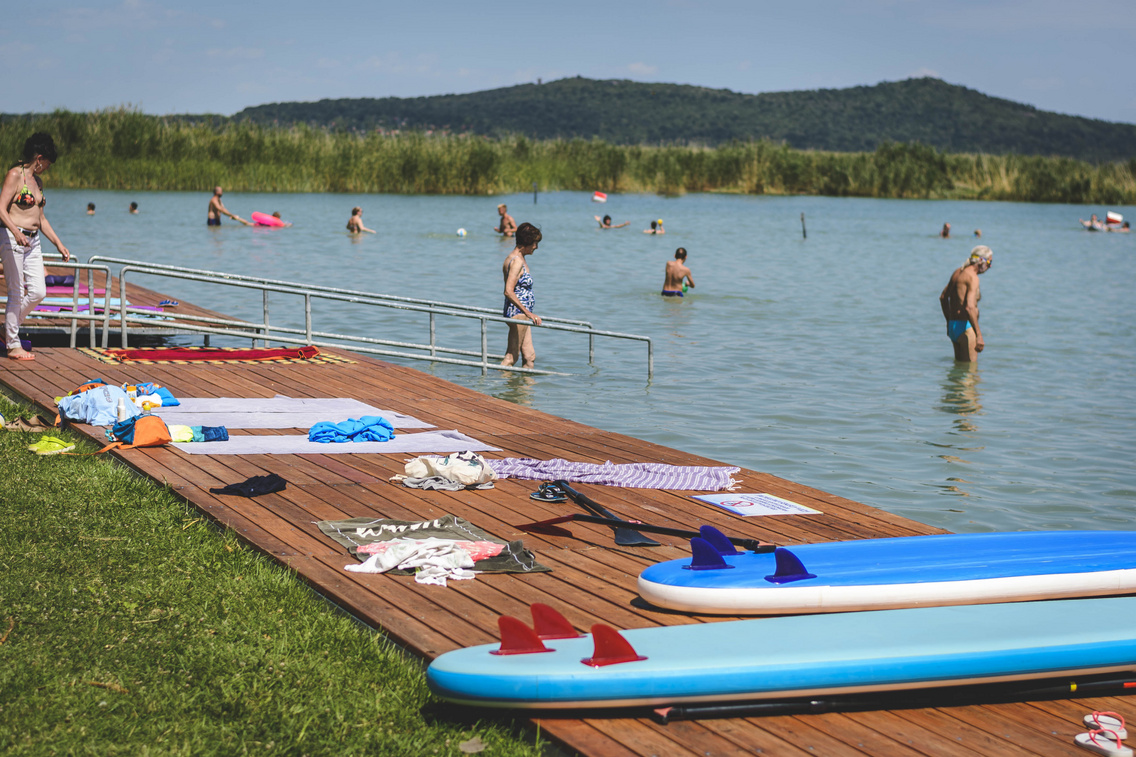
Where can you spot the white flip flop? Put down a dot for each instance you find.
(1107, 721)
(1103, 742)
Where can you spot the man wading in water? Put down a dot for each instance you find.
(959, 301)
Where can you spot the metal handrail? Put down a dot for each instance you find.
(265, 332)
(56, 261)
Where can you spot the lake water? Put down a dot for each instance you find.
(822, 360)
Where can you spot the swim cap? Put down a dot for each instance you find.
(981, 252)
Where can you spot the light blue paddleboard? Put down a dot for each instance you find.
(911, 571)
(805, 656)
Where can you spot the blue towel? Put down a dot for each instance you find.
(369, 428)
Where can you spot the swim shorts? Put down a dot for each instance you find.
(665, 293)
(955, 329)
(212, 221)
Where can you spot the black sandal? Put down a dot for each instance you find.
(549, 493)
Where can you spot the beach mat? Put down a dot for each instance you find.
(276, 412)
(216, 356)
(424, 442)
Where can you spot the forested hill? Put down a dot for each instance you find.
(948, 117)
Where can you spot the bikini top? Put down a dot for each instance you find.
(25, 200)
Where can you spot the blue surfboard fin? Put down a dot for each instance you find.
(705, 556)
(789, 568)
(718, 540)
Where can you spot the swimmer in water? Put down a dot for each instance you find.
(959, 302)
(1093, 224)
(656, 228)
(355, 222)
(90, 208)
(1123, 228)
(946, 231)
(605, 223)
(508, 226)
(134, 208)
(218, 209)
(677, 275)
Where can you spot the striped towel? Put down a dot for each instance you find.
(630, 475)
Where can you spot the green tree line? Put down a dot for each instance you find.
(124, 149)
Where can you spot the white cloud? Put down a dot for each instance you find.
(642, 69)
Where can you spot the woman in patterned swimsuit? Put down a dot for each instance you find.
(23, 223)
(519, 299)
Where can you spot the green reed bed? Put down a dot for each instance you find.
(129, 625)
(123, 149)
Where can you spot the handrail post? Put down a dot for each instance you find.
(484, 349)
(433, 350)
(264, 343)
(108, 286)
(650, 359)
(121, 305)
(75, 309)
(308, 317)
(591, 349)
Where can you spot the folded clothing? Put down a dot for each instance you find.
(369, 428)
(59, 281)
(465, 468)
(356, 533)
(434, 561)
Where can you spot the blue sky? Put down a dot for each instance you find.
(219, 57)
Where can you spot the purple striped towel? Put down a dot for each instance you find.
(630, 475)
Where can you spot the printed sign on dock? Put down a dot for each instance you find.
(757, 504)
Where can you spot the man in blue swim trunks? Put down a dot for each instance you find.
(217, 209)
(677, 275)
(959, 301)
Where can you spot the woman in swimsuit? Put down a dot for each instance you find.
(519, 298)
(21, 213)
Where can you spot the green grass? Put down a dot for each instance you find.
(130, 625)
(123, 149)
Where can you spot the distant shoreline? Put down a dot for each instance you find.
(131, 151)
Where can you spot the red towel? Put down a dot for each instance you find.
(203, 354)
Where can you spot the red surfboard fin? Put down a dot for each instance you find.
(517, 638)
(550, 624)
(611, 648)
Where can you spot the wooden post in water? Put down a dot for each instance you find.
(804, 232)
(534, 193)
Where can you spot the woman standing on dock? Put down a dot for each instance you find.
(21, 212)
(519, 298)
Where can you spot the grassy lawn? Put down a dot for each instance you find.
(130, 625)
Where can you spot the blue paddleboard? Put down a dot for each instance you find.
(803, 656)
(910, 571)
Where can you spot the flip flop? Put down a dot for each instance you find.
(50, 445)
(168, 304)
(549, 493)
(1106, 721)
(1103, 741)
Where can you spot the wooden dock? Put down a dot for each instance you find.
(592, 580)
